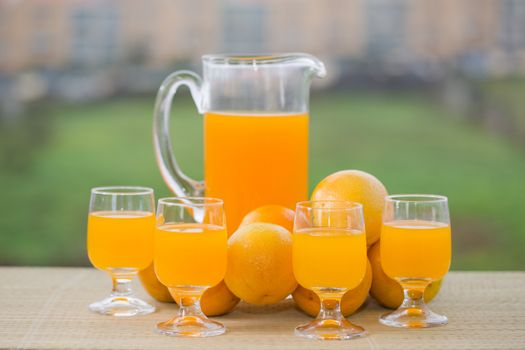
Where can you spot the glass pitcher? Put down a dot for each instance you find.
(255, 130)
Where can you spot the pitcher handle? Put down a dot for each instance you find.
(181, 184)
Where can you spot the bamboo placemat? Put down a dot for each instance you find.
(46, 308)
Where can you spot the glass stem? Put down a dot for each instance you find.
(121, 285)
(414, 293)
(190, 306)
(330, 307)
(189, 301)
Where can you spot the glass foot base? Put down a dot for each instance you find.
(413, 318)
(191, 326)
(330, 330)
(122, 307)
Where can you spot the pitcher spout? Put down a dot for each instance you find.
(313, 64)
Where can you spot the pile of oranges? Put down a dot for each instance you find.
(260, 256)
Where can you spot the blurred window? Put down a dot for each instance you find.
(3, 50)
(41, 43)
(41, 13)
(3, 19)
(513, 25)
(190, 29)
(244, 28)
(385, 25)
(95, 36)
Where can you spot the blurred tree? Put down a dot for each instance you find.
(24, 130)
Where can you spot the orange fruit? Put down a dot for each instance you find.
(260, 263)
(309, 302)
(272, 214)
(356, 186)
(215, 301)
(218, 300)
(385, 290)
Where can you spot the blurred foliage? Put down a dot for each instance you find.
(21, 135)
(407, 140)
(504, 98)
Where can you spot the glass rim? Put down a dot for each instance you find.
(122, 190)
(190, 201)
(416, 198)
(250, 59)
(344, 205)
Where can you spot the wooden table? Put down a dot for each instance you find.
(46, 308)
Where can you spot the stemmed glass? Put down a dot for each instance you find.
(415, 251)
(121, 225)
(190, 256)
(329, 257)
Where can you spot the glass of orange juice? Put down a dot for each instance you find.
(121, 225)
(190, 256)
(415, 250)
(329, 258)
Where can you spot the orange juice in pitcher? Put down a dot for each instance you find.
(264, 155)
(255, 130)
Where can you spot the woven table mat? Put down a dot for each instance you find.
(46, 308)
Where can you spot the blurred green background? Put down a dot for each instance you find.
(451, 125)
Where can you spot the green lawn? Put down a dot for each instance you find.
(407, 141)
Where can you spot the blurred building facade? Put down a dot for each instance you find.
(58, 34)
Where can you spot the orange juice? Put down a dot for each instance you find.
(254, 160)
(120, 239)
(415, 249)
(329, 258)
(190, 254)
